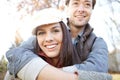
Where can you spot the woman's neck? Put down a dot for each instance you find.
(55, 61)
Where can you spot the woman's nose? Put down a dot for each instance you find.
(49, 37)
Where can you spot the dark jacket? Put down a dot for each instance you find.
(92, 52)
(84, 45)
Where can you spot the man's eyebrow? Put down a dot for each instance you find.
(84, 0)
(88, 1)
(75, 0)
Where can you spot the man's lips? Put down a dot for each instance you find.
(80, 16)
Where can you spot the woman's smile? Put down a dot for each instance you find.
(51, 47)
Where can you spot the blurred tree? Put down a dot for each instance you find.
(31, 6)
(26, 7)
(113, 22)
(111, 10)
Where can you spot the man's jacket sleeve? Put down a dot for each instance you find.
(18, 57)
(97, 59)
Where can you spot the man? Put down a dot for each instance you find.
(92, 51)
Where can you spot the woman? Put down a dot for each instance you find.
(53, 39)
(53, 46)
(53, 43)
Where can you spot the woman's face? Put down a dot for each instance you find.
(50, 39)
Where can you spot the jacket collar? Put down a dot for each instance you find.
(86, 32)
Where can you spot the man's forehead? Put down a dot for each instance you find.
(82, 0)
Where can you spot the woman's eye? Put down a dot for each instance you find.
(40, 33)
(56, 30)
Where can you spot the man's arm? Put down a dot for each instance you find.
(32, 71)
(26, 52)
(97, 59)
(28, 72)
(18, 57)
(26, 65)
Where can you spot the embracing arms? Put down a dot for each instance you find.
(20, 56)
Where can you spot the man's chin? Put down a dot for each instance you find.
(81, 24)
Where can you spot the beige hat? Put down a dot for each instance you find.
(45, 16)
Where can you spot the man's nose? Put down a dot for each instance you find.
(81, 7)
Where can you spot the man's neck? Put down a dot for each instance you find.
(75, 31)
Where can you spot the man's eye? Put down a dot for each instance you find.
(87, 5)
(75, 3)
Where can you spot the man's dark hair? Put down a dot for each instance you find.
(67, 2)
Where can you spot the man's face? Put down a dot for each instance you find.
(79, 12)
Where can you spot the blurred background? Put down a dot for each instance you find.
(105, 20)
